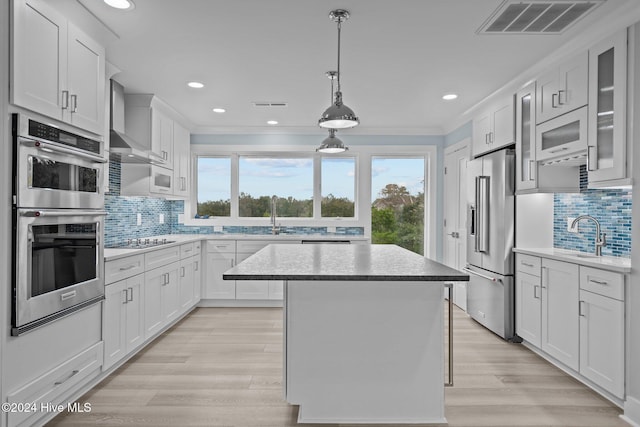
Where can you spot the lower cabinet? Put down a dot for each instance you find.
(161, 301)
(575, 314)
(123, 318)
(216, 287)
(560, 323)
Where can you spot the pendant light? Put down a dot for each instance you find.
(331, 144)
(338, 115)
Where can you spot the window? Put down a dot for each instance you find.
(289, 179)
(338, 187)
(214, 186)
(397, 202)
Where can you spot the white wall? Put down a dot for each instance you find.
(534, 221)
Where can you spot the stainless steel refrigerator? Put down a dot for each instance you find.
(490, 238)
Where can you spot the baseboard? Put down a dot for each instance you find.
(239, 303)
(631, 411)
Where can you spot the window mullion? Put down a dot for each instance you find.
(234, 187)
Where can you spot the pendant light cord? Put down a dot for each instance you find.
(339, 28)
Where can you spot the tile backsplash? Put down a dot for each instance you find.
(611, 207)
(121, 220)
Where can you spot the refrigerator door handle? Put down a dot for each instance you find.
(482, 214)
(493, 279)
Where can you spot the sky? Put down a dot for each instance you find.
(262, 176)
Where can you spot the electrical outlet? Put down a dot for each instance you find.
(139, 219)
(331, 228)
(217, 228)
(161, 218)
(569, 222)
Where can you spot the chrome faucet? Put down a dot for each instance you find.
(601, 238)
(274, 229)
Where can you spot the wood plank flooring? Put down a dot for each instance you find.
(223, 367)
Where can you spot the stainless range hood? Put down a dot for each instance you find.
(122, 148)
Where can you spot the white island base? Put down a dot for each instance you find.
(364, 351)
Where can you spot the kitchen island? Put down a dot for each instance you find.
(363, 330)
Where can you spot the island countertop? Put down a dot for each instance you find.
(341, 262)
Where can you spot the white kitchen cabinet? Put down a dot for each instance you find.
(162, 136)
(531, 177)
(220, 256)
(148, 120)
(495, 128)
(528, 299)
(562, 89)
(123, 318)
(57, 70)
(602, 328)
(607, 161)
(560, 320)
(181, 160)
(161, 298)
(186, 284)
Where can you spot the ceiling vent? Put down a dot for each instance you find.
(537, 16)
(269, 104)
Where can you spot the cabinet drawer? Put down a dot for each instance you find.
(221, 246)
(606, 283)
(48, 388)
(186, 250)
(197, 247)
(528, 264)
(122, 268)
(251, 246)
(161, 257)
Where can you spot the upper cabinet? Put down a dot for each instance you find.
(563, 88)
(494, 128)
(56, 70)
(607, 151)
(181, 160)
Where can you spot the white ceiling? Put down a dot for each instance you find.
(398, 59)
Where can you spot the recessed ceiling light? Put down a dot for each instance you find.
(449, 96)
(219, 110)
(272, 122)
(121, 4)
(195, 85)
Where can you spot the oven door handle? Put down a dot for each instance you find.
(40, 145)
(70, 212)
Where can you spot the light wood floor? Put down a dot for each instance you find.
(223, 367)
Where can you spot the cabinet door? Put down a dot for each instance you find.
(153, 319)
(215, 287)
(162, 136)
(481, 130)
(546, 96)
(114, 323)
(170, 294)
(197, 279)
(574, 83)
(86, 75)
(526, 166)
(560, 320)
(503, 125)
(276, 289)
(39, 61)
(607, 109)
(134, 335)
(602, 341)
(528, 307)
(181, 159)
(186, 284)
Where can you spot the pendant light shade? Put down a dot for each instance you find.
(338, 115)
(332, 144)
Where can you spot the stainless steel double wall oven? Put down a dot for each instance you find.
(58, 218)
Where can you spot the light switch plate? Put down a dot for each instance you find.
(569, 222)
(161, 218)
(138, 219)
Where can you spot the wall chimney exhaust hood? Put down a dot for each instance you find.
(122, 148)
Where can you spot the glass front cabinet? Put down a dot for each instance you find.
(607, 147)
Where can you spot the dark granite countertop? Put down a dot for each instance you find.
(341, 262)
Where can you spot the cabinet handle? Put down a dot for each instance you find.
(490, 137)
(598, 282)
(130, 299)
(74, 103)
(580, 312)
(545, 276)
(195, 265)
(560, 92)
(486, 138)
(553, 100)
(592, 158)
(128, 268)
(532, 168)
(126, 296)
(65, 99)
(526, 263)
(559, 150)
(75, 372)
(181, 271)
(535, 291)
(232, 263)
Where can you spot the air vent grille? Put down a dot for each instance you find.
(265, 104)
(537, 16)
